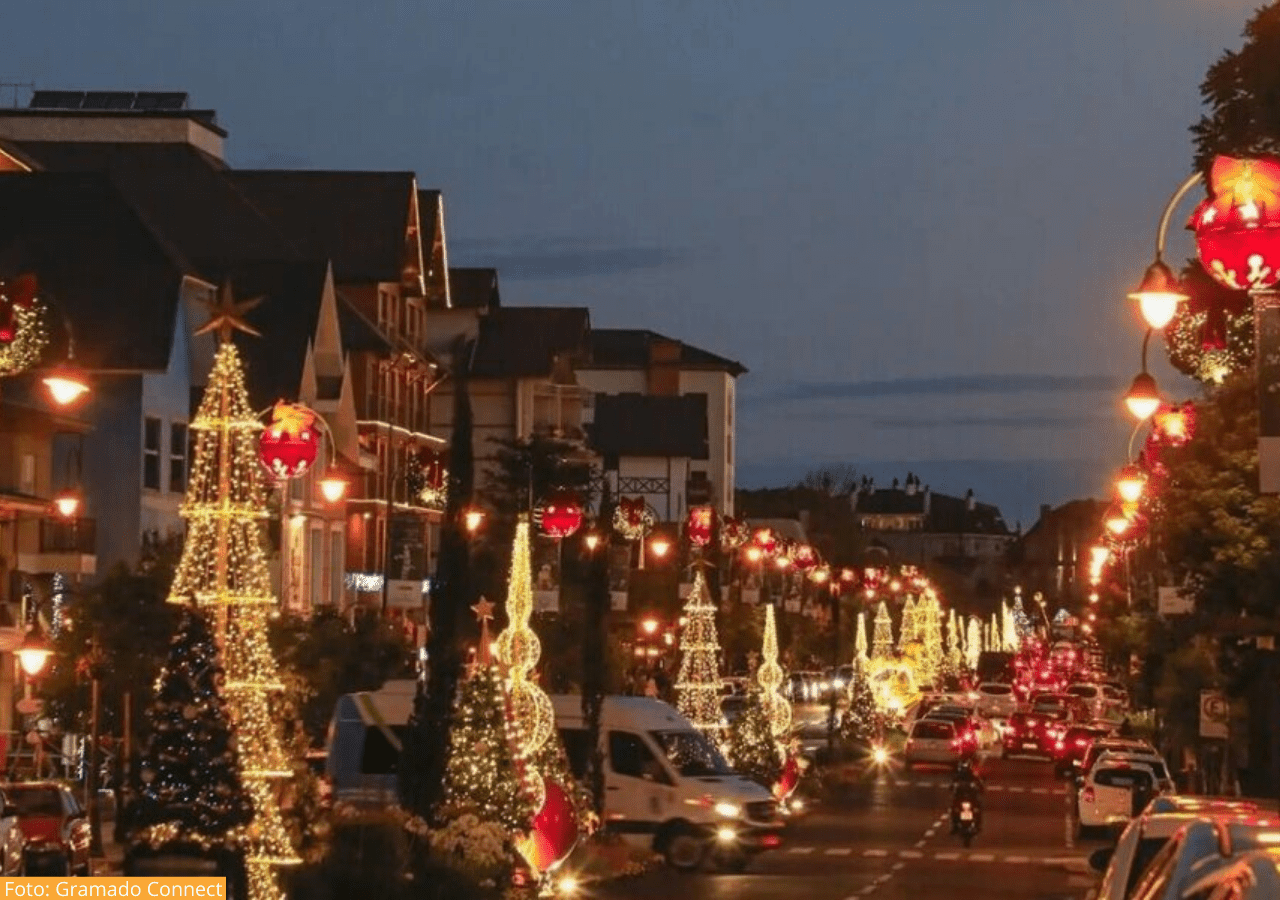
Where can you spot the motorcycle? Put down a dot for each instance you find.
(967, 821)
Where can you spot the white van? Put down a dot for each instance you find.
(366, 735)
(667, 786)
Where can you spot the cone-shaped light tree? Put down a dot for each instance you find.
(753, 750)
(223, 567)
(910, 629)
(973, 647)
(860, 718)
(860, 641)
(882, 640)
(698, 684)
(192, 799)
(929, 617)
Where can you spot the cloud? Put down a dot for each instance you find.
(536, 259)
(942, 385)
(1011, 421)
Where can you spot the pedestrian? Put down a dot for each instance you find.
(1126, 728)
(651, 687)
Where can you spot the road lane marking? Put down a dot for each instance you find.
(875, 853)
(1014, 790)
(897, 866)
(930, 833)
(981, 857)
(801, 850)
(866, 890)
(838, 851)
(946, 856)
(919, 843)
(910, 854)
(1016, 859)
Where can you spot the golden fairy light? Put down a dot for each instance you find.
(770, 678)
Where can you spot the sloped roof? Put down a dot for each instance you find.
(116, 281)
(428, 207)
(357, 219)
(183, 194)
(471, 288)
(650, 426)
(287, 318)
(945, 514)
(628, 348)
(524, 341)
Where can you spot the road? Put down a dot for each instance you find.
(888, 838)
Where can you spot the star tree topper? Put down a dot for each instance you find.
(226, 315)
(484, 612)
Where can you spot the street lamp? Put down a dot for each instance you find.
(333, 485)
(1159, 294)
(1130, 484)
(659, 546)
(67, 503)
(66, 383)
(1143, 397)
(591, 540)
(472, 519)
(34, 651)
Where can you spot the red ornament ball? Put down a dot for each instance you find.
(554, 832)
(699, 526)
(561, 514)
(289, 444)
(1238, 227)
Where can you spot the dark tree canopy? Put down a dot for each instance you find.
(1242, 93)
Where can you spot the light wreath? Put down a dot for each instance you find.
(29, 339)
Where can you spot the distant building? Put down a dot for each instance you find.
(1052, 558)
(920, 527)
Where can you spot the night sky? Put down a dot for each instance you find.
(914, 222)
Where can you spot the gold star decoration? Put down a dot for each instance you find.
(483, 610)
(226, 315)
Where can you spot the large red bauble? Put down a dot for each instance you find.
(289, 444)
(699, 526)
(788, 780)
(1238, 228)
(804, 557)
(561, 514)
(554, 831)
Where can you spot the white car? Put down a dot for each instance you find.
(1123, 865)
(932, 741)
(996, 700)
(1091, 695)
(1110, 793)
(1151, 759)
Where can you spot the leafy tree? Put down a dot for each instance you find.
(192, 799)
(1242, 93)
(334, 655)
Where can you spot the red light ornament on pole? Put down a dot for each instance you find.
(289, 444)
(699, 525)
(560, 515)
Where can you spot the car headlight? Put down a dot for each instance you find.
(728, 810)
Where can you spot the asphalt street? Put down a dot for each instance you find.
(888, 837)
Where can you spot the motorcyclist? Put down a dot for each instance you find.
(966, 786)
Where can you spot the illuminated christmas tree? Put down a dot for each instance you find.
(483, 775)
(882, 640)
(973, 646)
(860, 719)
(698, 684)
(929, 623)
(770, 677)
(910, 629)
(955, 655)
(753, 750)
(223, 567)
(1021, 621)
(860, 641)
(192, 799)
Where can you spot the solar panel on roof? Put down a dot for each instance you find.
(160, 100)
(56, 100)
(107, 100)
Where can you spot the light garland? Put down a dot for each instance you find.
(860, 642)
(633, 518)
(224, 567)
(698, 684)
(770, 677)
(30, 337)
(910, 629)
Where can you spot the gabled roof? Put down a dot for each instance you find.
(287, 318)
(183, 194)
(358, 333)
(628, 348)
(524, 341)
(357, 219)
(116, 281)
(650, 426)
(945, 514)
(474, 288)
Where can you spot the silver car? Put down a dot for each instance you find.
(932, 741)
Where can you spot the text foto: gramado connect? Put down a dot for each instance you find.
(115, 887)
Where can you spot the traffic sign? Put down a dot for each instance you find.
(1215, 712)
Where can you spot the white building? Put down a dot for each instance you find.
(636, 361)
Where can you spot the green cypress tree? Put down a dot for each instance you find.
(752, 749)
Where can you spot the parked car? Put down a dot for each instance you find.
(1070, 749)
(932, 741)
(1112, 745)
(1199, 849)
(1121, 866)
(1113, 793)
(996, 700)
(55, 825)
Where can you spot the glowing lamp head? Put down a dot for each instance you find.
(34, 652)
(1159, 295)
(67, 504)
(66, 384)
(659, 547)
(472, 519)
(1117, 520)
(592, 540)
(333, 486)
(821, 575)
(649, 626)
(1130, 484)
(754, 554)
(1098, 555)
(1142, 398)
(782, 562)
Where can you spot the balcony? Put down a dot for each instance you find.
(65, 547)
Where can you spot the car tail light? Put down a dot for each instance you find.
(1059, 745)
(1088, 795)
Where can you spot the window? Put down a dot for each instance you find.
(27, 475)
(577, 747)
(629, 755)
(337, 566)
(691, 753)
(379, 756)
(151, 453)
(933, 731)
(178, 457)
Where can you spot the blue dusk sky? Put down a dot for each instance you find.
(914, 222)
